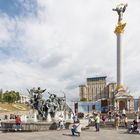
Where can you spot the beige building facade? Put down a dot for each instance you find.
(83, 92)
(94, 89)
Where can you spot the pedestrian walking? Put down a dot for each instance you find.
(97, 122)
(125, 121)
(117, 121)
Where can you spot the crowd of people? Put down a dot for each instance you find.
(119, 119)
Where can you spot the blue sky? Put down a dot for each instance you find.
(57, 44)
(10, 7)
(15, 8)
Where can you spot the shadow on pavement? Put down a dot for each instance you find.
(70, 135)
(122, 132)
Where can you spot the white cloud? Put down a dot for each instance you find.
(67, 42)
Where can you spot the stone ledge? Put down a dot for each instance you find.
(30, 127)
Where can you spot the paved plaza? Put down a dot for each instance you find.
(104, 134)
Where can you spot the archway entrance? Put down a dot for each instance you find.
(121, 105)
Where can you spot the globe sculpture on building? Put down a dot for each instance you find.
(46, 107)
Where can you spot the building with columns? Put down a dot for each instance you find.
(94, 89)
(122, 100)
(119, 100)
(24, 99)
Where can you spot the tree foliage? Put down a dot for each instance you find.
(10, 96)
(83, 99)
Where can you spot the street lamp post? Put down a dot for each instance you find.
(88, 107)
(129, 105)
(116, 105)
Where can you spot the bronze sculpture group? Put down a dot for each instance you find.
(48, 106)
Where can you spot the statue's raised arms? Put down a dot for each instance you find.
(120, 9)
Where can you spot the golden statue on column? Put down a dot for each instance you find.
(120, 9)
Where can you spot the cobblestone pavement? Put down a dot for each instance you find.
(104, 134)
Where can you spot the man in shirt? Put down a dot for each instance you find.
(97, 122)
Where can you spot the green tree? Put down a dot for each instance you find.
(11, 96)
(83, 99)
(1, 95)
(17, 96)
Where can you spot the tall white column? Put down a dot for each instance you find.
(119, 60)
(120, 9)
